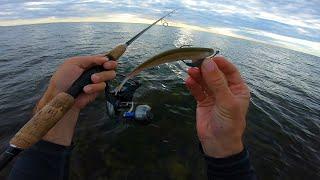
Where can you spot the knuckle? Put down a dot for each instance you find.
(115, 64)
(113, 74)
(72, 59)
(68, 61)
(111, 65)
(217, 81)
(247, 91)
(233, 105)
(100, 87)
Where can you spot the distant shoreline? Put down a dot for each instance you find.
(218, 31)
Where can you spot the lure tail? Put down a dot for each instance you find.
(131, 75)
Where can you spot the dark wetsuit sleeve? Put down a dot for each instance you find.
(235, 167)
(44, 160)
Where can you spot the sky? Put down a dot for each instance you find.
(293, 24)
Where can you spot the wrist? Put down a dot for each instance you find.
(49, 94)
(222, 150)
(62, 132)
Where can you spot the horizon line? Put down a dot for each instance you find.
(132, 19)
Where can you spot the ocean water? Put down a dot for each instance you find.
(283, 121)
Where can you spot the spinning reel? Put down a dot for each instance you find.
(121, 107)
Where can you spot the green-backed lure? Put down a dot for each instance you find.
(195, 54)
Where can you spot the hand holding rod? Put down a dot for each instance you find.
(51, 113)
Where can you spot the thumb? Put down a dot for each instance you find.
(215, 80)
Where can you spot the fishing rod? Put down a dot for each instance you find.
(50, 114)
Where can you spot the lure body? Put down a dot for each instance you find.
(191, 53)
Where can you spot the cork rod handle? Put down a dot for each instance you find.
(49, 115)
(42, 121)
(116, 52)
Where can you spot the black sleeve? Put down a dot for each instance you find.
(44, 160)
(237, 167)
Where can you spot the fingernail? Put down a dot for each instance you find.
(95, 77)
(192, 69)
(106, 65)
(189, 81)
(87, 88)
(208, 65)
(107, 59)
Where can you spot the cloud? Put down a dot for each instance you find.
(294, 24)
(311, 47)
(41, 3)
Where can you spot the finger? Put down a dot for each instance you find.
(195, 73)
(86, 62)
(195, 89)
(215, 80)
(94, 88)
(103, 76)
(110, 65)
(229, 70)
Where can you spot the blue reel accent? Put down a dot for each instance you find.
(129, 115)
